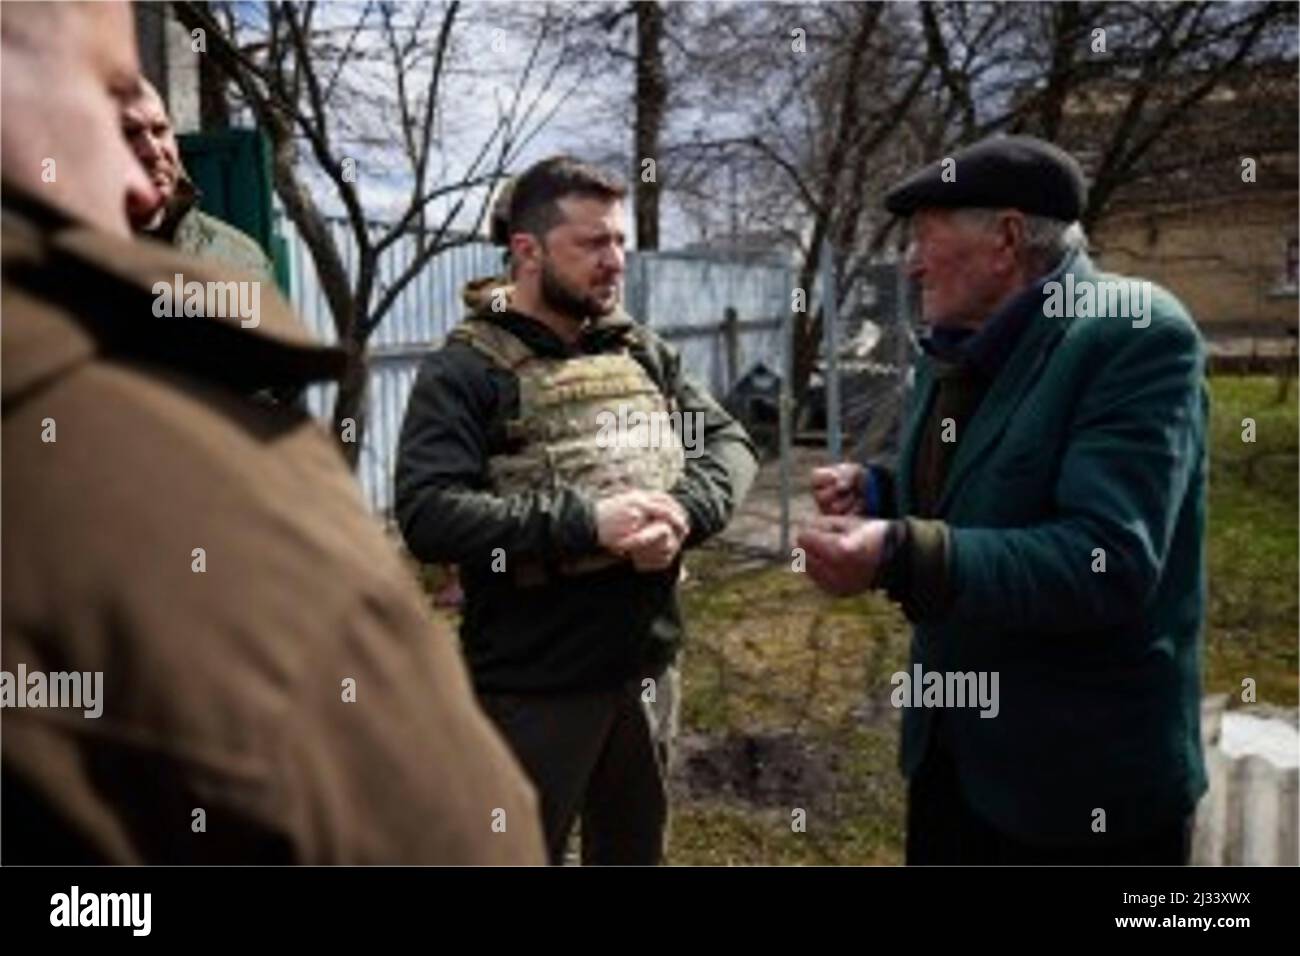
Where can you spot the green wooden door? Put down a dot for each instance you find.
(233, 173)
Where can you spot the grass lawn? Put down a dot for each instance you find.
(786, 712)
(1251, 630)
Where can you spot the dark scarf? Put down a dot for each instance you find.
(965, 363)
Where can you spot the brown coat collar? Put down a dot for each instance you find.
(71, 291)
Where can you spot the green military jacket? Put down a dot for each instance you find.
(195, 233)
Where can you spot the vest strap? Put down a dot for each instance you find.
(489, 339)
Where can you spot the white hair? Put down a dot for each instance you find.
(1047, 240)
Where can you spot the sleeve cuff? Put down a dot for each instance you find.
(877, 492)
(578, 532)
(917, 569)
(697, 533)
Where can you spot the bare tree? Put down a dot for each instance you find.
(335, 86)
(1111, 82)
(643, 38)
(651, 104)
(881, 91)
(840, 80)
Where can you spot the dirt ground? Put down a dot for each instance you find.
(788, 747)
(756, 527)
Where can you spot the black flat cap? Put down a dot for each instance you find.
(1001, 172)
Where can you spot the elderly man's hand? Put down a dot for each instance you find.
(837, 489)
(844, 553)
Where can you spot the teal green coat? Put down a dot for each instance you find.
(1093, 436)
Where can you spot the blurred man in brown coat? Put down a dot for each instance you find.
(268, 686)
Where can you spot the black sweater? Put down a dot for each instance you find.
(568, 632)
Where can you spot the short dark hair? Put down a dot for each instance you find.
(536, 193)
(499, 217)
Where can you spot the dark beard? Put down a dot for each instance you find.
(560, 298)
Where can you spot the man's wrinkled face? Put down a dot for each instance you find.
(960, 267)
(582, 258)
(67, 69)
(148, 129)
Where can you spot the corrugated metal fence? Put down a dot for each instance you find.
(1251, 814)
(683, 296)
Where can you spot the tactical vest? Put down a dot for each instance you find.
(595, 423)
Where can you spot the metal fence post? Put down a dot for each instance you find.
(635, 292)
(903, 318)
(830, 336)
(785, 414)
(731, 338)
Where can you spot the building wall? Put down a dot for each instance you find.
(182, 76)
(168, 61)
(1226, 260)
(150, 35)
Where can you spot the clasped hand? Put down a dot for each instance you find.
(649, 527)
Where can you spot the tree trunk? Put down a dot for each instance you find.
(651, 103)
(1065, 20)
(807, 331)
(350, 403)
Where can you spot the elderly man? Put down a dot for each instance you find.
(171, 214)
(1044, 530)
(266, 685)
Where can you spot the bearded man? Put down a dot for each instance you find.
(568, 532)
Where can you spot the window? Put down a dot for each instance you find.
(1288, 284)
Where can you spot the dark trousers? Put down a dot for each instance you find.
(943, 829)
(594, 755)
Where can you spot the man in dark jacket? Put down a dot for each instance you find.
(530, 457)
(1045, 530)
